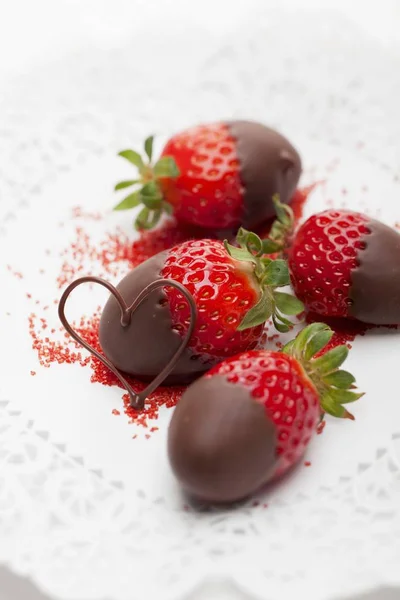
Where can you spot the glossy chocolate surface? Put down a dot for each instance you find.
(269, 165)
(221, 443)
(375, 285)
(145, 346)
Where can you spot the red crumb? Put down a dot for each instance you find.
(16, 274)
(307, 463)
(33, 373)
(115, 412)
(147, 436)
(78, 212)
(321, 427)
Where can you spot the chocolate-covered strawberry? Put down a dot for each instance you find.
(216, 176)
(345, 264)
(251, 417)
(234, 290)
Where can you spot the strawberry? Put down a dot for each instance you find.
(251, 418)
(216, 176)
(345, 264)
(233, 288)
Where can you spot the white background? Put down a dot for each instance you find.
(33, 33)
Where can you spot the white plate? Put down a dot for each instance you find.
(78, 495)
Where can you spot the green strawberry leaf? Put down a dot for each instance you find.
(305, 335)
(334, 386)
(270, 247)
(283, 211)
(150, 190)
(288, 304)
(288, 348)
(133, 157)
(147, 218)
(166, 167)
(332, 407)
(239, 253)
(318, 341)
(148, 147)
(276, 274)
(280, 326)
(340, 379)
(129, 202)
(150, 196)
(124, 184)
(331, 360)
(250, 241)
(257, 315)
(344, 396)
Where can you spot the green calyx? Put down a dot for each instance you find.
(270, 274)
(148, 190)
(282, 228)
(335, 386)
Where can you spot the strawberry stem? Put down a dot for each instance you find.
(270, 274)
(148, 192)
(334, 385)
(281, 234)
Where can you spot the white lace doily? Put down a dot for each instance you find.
(86, 510)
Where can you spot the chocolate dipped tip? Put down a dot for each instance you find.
(137, 400)
(221, 443)
(375, 282)
(269, 165)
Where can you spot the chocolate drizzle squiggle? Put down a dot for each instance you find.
(137, 400)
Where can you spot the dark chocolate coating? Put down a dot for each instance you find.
(375, 283)
(145, 346)
(269, 165)
(221, 443)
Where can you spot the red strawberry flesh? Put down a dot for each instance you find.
(208, 191)
(224, 290)
(324, 254)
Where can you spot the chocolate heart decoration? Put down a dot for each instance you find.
(136, 400)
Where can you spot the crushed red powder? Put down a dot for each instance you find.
(16, 274)
(78, 212)
(67, 351)
(115, 412)
(33, 373)
(307, 463)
